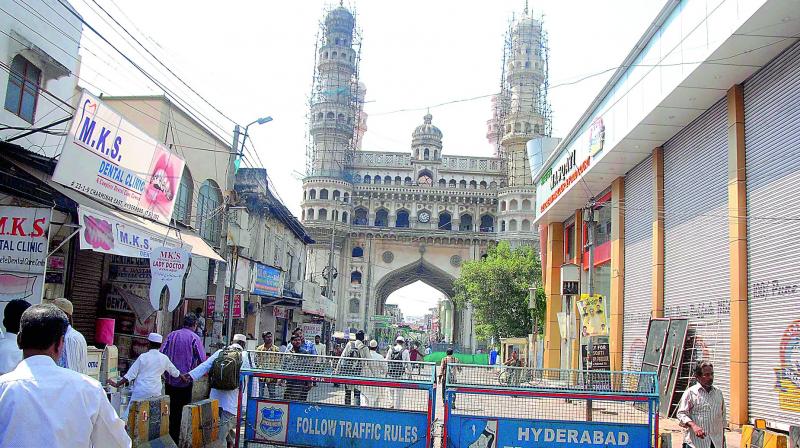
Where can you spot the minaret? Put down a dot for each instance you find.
(334, 99)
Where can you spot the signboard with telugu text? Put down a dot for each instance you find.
(112, 161)
(238, 306)
(267, 281)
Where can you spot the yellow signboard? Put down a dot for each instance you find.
(594, 315)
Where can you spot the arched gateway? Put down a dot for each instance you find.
(384, 220)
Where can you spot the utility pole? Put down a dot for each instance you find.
(232, 290)
(329, 273)
(219, 297)
(589, 219)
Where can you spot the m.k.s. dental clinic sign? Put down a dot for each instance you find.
(109, 159)
(571, 165)
(23, 253)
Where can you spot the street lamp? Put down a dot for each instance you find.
(239, 154)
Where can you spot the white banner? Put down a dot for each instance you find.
(104, 233)
(111, 160)
(311, 330)
(167, 268)
(23, 252)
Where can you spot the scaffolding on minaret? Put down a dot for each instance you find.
(335, 103)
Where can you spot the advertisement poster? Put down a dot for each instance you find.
(112, 161)
(268, 281)
(104, 233)
(23, 253)
(167, 268)
(497, 433)
(311, 330)
(238, 306)
(594, 318)
(319, 425)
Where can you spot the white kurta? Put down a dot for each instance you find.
(10, 354)
(43, 405)
(147, 371)
(76, 352)
(372, 396)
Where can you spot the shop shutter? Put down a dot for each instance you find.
(638, 207)
(85, 292)
(772, 142)
(696, 251)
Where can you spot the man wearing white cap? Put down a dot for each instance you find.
(76, 353)
(374, 368)
(228, 398)
(399, 360)
(147, 371)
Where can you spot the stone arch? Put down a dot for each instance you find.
(526, 204)
(377, 179)
(312, 194)
(465, 223)
(382, 218)
(513, 205)
(442, 183)
(322, 215)
(512, 225)
(526, 225)
(402, 220)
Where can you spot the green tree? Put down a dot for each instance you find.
(497, 287)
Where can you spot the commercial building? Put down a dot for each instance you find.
(691, 160)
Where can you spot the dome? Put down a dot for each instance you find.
(340, 19)
(427, 130)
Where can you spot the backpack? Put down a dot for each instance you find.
(396, 363)
(224, 374)
(352, 366)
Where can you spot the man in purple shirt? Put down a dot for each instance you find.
(185, 349)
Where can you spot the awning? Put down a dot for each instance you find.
(199, 246)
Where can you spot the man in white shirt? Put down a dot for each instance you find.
(147, 371)
(10, 354)
(76, 353)
(399, 366)
(702, 411)
(228, 399)
(43, 405)
(322, 349)
(374, 368)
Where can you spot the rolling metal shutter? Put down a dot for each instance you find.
(638, 206)
(772, 142)
(696, 251)
(85, 292)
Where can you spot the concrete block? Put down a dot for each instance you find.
(665, 440)
(161, 442)
(200, 425)
(747, 436)
(775, 440)
(794, 437)
(148, 420)
(758, 438)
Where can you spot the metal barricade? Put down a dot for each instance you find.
(490, 406)
(325, 401)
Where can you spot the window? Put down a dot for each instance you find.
(312, 194)
(513, 205)
(402, 219)
(334, 215)
(323, 194)
(398, 180)
(358, 252)
(473, 185)
(344, 216)
(336, 195)
(452, 183)
(310, 214)
(425, 178)
(387, 180)
(465, 224)
(442, 183)
(569, 243)
(305, 195)
(23, 88)
(526, 225)
(493, 185)
(290, 264)
(183, 203)
(407, 180)
(526, 204)
(427, 154)
(512, 225)
(209, 218)
(347, 197)
(354, 306)
(483, 185)
(322, 215)
(502, 206)
(367, 179)
(355, 278)
(444, 221)
(378, 180)
(360, 217)
(382, 218)
(487, 223)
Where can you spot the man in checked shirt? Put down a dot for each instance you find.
(702, 411)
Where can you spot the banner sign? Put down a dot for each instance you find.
(268, 281)
(594, 318)
(167, 268)
(281, 312)
(104, 233)
(320, 425)
(238, 307)
(24, 246)
(311, 330)
(112, 161)
(518, 433)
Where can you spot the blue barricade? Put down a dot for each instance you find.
(319, 401)
(516, 407)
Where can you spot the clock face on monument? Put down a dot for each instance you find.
(425, 180)
(424, 217)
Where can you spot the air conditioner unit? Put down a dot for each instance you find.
(238, 227)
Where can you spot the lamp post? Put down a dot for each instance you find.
(233, 166)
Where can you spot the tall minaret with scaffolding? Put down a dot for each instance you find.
(335, 128)
(522, 113)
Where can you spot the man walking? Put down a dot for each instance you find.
(267, 358)
(76, 353)
(296, 390)
(375, 368)
(702, 411)
(10, 354)
(185, 349)
(399, 359)
(44, 405)
(225, 387)
(321, 348)
(351, 364)
(449, 359)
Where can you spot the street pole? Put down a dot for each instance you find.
(219, 297)
(329, 277)
(232, 291)
(590, 243)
